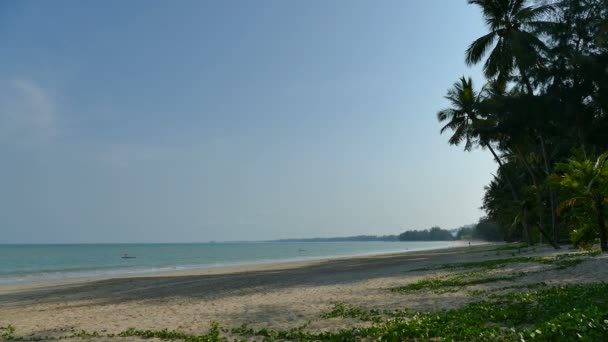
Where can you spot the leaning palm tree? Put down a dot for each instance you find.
(462, 113)
(464, 119)
(512, 26)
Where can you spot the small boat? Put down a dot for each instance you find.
(126, 256)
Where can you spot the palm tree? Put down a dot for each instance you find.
(463, 116)
(462, 113)
(588, 182)
(500, 205)
(463, 119)
(511, 24)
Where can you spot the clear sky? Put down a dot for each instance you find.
(174, 121)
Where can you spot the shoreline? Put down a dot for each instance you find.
(285, 296)
(212, 269)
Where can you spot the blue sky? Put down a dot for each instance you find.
(151, 121)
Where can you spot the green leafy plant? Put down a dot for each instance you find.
(8, 332)
(349, 311)
(214, 334)
(587, 182)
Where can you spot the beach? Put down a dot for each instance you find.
(277, 296)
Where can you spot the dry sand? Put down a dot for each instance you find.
(277, 296)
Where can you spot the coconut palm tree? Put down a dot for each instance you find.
(463, 119)
(512, 24)
(462, 113)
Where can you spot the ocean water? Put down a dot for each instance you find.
(23, 264)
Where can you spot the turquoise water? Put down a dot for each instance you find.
(21, 264)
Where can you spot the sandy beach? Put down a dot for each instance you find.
(277, 296)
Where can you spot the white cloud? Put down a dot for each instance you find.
(27, 112)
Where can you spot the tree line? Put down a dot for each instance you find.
(346, 238)
(433, 234)
(542, 115)
(483, 230)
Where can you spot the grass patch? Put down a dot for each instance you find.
(459, 281)
(214, 334)
(567, 263)
(561, 260)
(7, 332)
(297, 333)
(510, 247)
(485, 264)
(370, 315)
(479, 293)
(455, 283)
(349, 311)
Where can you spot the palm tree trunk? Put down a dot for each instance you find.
(526, 80)
(541, 225)
(554, 226)
(548, 237)
(601, 223)
(514, 194)
(554, 223)
(501, 165)
(541, 228)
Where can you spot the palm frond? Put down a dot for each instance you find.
(515, 6)
(601, 162)
(478, 48)
(532, 13)
(567, 205)
(539, 27)
(498, 63)
(598, 169)
(458, 136)
(444, 114)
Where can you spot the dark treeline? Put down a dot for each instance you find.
(542, 115)
(484, 230)
(347, 238)
(433, 234)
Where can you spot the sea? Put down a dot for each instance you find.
(27, 264)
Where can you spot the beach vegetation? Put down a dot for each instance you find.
(559, 313)
(214, 334)
(542, 113)
(7, 332)
(459, 281)
(559, 260)
(587, 184)
(85, 334)
(565, 313)
(350, 311)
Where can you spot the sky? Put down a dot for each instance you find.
(188, 121)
